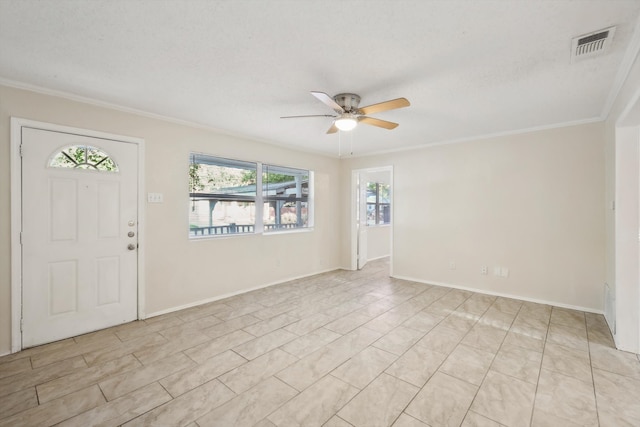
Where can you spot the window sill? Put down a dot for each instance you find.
(207, 237)
(220, 236)
(288, 231)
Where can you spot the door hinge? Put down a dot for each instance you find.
(21, 237)
(21, 325)
(20, 150)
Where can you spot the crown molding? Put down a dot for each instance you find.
(117, 107)
(485, 136)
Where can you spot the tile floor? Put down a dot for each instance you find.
(338, 349)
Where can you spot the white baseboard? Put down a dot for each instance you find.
(231, 294)
(413, 279)
(501, 294)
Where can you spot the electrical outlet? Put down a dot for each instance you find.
(484, 270)
(452, 265)
(497, 271)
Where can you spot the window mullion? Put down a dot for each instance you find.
(259, 221)
(377, 203)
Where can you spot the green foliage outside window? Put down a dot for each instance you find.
(83, 157)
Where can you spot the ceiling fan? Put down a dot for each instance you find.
(348, 114)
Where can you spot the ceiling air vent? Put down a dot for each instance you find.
(593, 44)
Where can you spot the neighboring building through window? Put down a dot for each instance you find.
(224, 194)
(378, 203)
(286, 197)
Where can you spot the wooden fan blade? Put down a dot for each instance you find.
(311, 115)
(377, 122)
(385, 106)
(328, 101)
(333, 129)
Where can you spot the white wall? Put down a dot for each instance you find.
(623, 173)
(533, 203)
(180, 271)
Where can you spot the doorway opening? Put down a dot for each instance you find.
(623, 299)
(372, 218)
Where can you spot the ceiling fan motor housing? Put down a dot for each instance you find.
(348, 101)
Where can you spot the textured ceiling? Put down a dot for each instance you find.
(468, 68)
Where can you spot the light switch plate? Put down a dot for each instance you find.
(155, 198)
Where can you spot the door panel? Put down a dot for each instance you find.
(63, 287)
(108, 279)
(78, 273)
(108, 210)
(63, 207)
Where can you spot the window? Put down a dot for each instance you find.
(286, 197)
(222, 196)
(224, 193)
(378, 203)
(83, 157)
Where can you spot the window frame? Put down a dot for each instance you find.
(259, 199)
(303, 198)
(68, 162)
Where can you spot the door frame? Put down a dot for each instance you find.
(626, 223)
(355, 177)
(16, 215)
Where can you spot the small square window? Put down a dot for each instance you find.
(286, 197)
(378, 203)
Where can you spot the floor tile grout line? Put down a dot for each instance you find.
(571, 377)
(426, 382)
(330, 374)
(533, 409)
(488, 368)
(152, 409)
(338, 416)
(593, 379)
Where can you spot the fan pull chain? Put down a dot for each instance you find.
(351, 143)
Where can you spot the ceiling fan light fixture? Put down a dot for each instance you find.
(346, 123)
(347, 115)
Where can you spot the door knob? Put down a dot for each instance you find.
(131, 234)
(131, 246)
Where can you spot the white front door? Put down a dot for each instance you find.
(79, 234)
